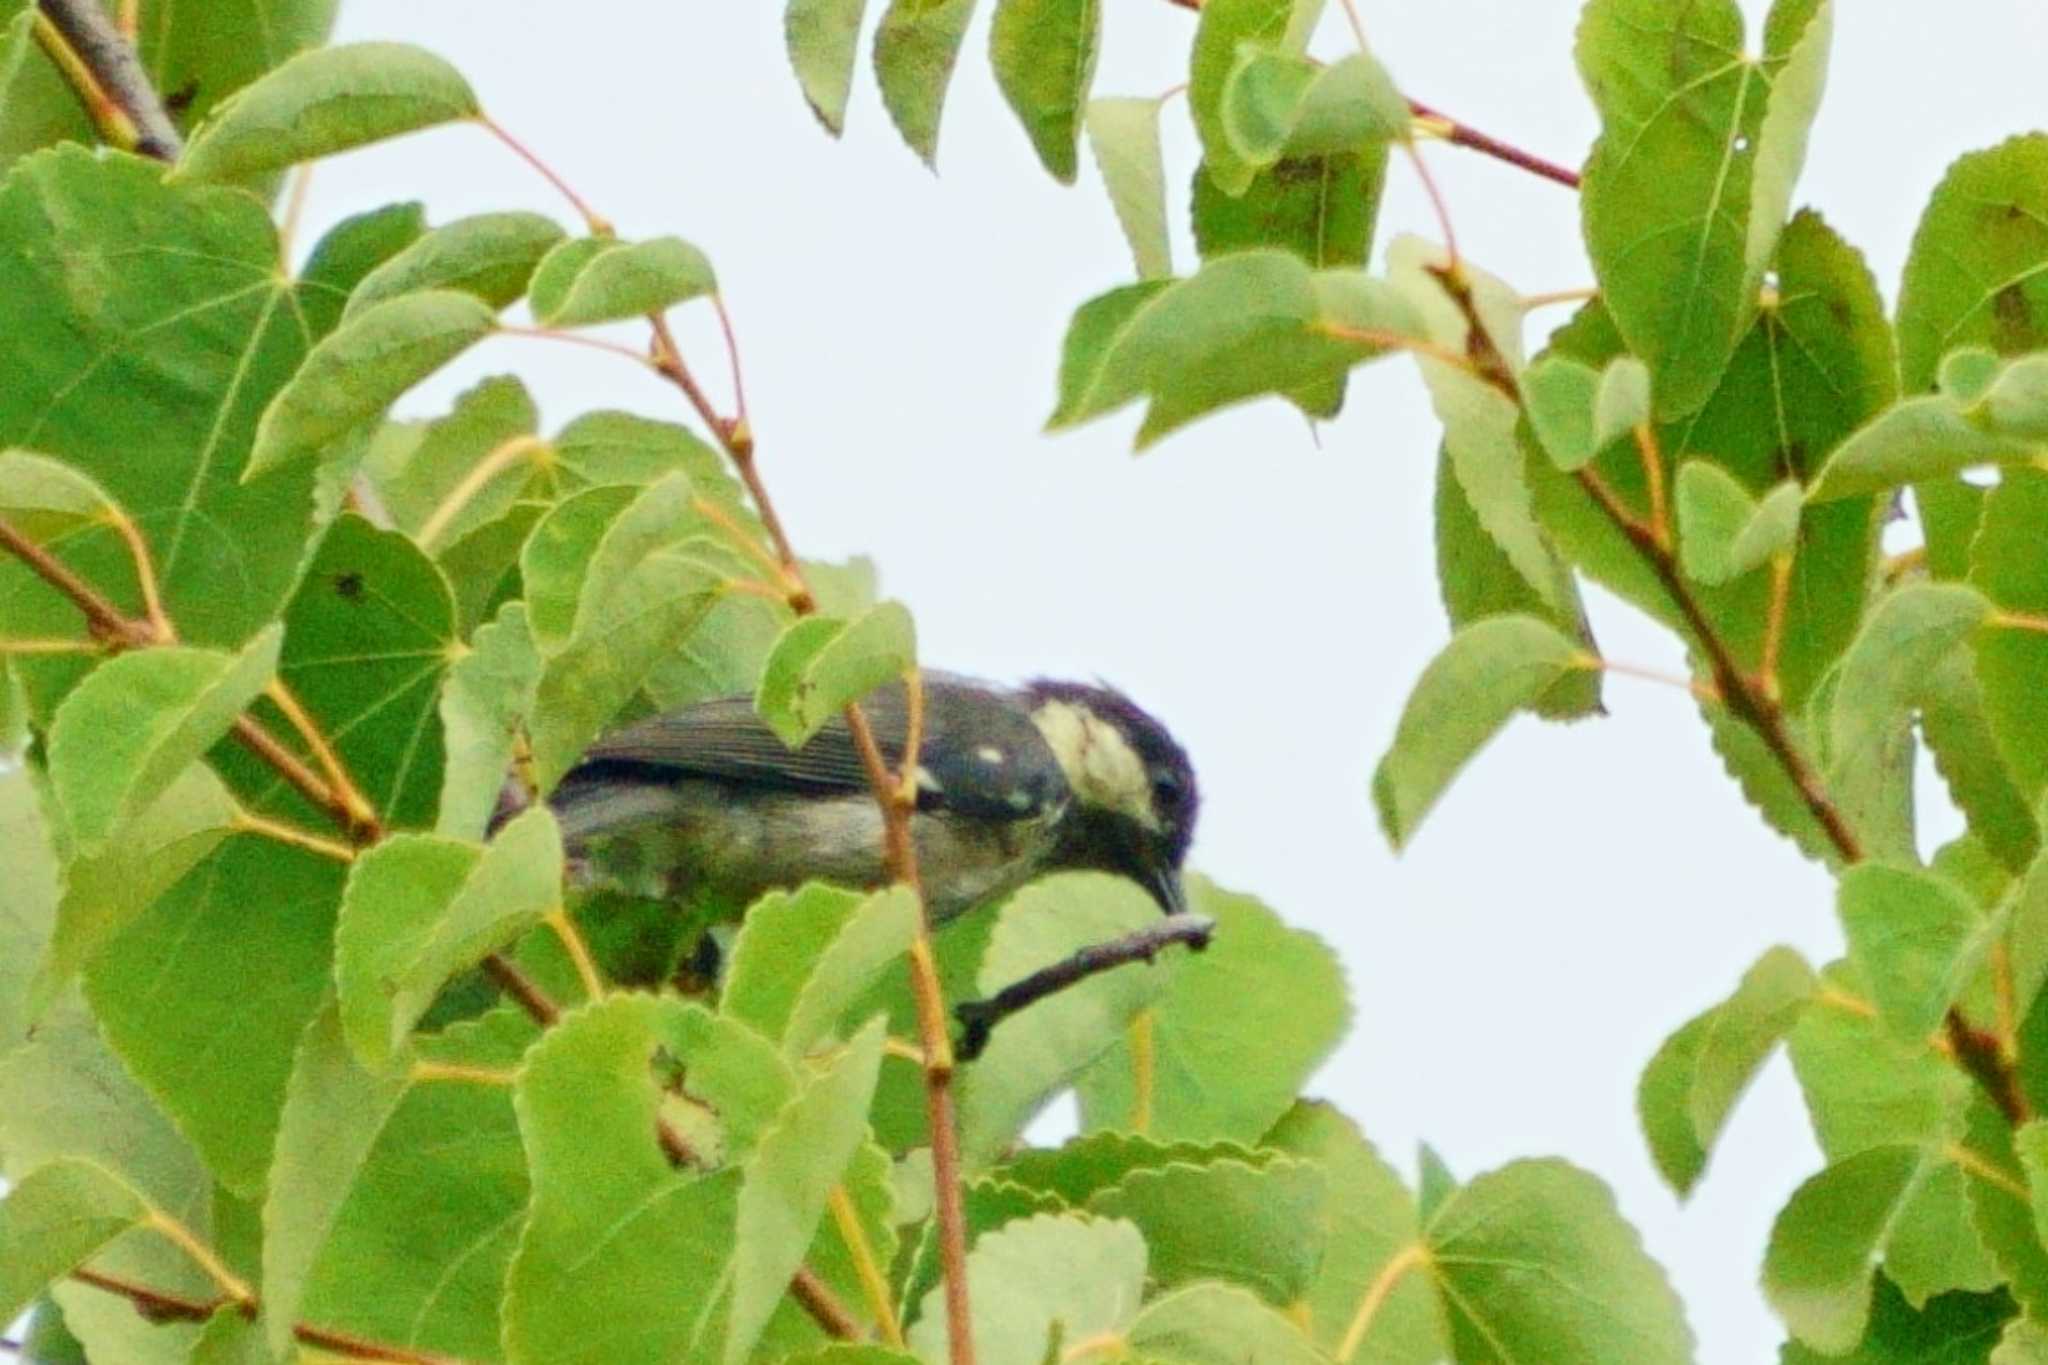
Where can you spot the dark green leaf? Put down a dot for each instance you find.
(231, 961)
(1688, 187)
(1263, 1227)
(1280, 26)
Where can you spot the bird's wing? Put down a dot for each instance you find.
(981, 753)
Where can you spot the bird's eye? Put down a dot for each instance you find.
(1166, 790)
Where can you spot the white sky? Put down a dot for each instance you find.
(1586, 888)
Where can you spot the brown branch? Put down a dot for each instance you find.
(981, 1016)
(539, 1006)
(117, 72)
(817, 1299)
(158, 1305)
(1463, 135)
(896, 794)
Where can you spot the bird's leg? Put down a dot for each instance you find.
(979, 1017)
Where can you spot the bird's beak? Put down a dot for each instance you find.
(1165, 887)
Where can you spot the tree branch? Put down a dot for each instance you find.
(896, 794)
(981, 1016)
(1464, 135)
(159, 1305)
(117, 72)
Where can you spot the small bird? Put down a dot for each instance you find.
(1011, 784)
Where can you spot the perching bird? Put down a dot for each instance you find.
(1011, 784)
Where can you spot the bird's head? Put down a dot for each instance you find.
(1134, 789)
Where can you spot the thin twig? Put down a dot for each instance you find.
(599, 225)
(160, 1305)
(523, 989)
(118, 71)
(1464, 135)
(981, 1016)
(817, 1299)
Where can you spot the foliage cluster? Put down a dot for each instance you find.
(301, 1060)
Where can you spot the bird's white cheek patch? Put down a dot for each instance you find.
(1099, 763)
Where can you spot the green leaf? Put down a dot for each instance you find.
(1125, 136)
(1263, 1227)
(490, 255)
(106, 892)
(1919, 440)
(347, 253)
(1373, 1219)
(580, 555)
(1276, 104)
(2024, 1342)
(413, 1242)
(444, 479)
(1824, 1244)
(1214, 1324)
(1957, 727)
(54, 1219)
(1954, 1329)
(1478, 580)
(2006, 566)
(1622, 402)
(54, 494)
(916, 47)
(354, 375)
(1907, 636)
(1084, 1166)
(421, 907)
(2001, 1207)
(1691, 1085)
(590, 280)
(1916, 939)
(607, 1210)
(1207, 1079)
(1558, 394)
(207, 51)
(1480, 421)
(638, 627)
(1723, 533)
(1044, 57)
(1322, 208)
(1863, 1087)
(203, 323)
(986, 1204)
(802, 958)
(1469, 691)
(1689, 184)
(796, 1163)
(65, 1096)
(1040, 1282)
(490, 693)
(28, 901)
(869, 1187)
(821, 666)
(1033, 1056)
(1974, 274)
(1253, 323)
(333, 1112)
(1226, 27)
(323, 102)
(823, 37)
(230, 961)
(138, 721)
(1536, 1254)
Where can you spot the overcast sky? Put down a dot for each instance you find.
(1586, 888)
